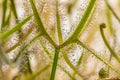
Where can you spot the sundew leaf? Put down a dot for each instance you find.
(81, 24)
(20, 57)
(37, 18)
(72, 66)
(58, 25)
(98, 57)
(14, 29)
(75, 34)
(79, 62)
(25, 47)
(45, 49)
(67, 72)
(32, 77)
(61, 41)
(21, 40)
(89, 20)
(4, 12)
(111, 9)
(106, 43)
(109, 20)
(40, 24)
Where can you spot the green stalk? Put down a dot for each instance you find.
(81, 24)
(39, 22)
(99, 57)
(116, 16)
(106, 43)
(60, 66)
(54, 66)
(14, 29)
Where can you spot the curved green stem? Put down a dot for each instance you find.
(106, 43)
(54, 66)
